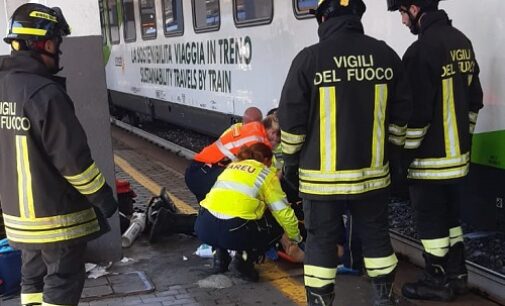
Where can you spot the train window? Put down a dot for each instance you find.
(102, 22)
(252, 12)
(113, 21)
(206, 15)
(302, 8)
(148, 19)
(130, 34)
(173, 23)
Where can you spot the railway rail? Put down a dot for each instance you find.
(488, 282)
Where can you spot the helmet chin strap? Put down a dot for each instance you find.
(414, 21)
(55, 57)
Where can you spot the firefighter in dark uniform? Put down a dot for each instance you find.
(343, 115)
(444, 76)
(54, 197)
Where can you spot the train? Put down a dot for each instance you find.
(200, 63)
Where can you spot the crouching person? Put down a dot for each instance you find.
(234, 215)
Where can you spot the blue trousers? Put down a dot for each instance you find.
(253, 236)
(201, 177)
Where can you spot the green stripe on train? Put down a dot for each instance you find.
(489, 149)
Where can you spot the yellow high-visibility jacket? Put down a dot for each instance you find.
(245, 189)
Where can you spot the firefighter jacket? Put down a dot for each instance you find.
(343, 112)
(444, 76)
(244, 190)
(228, 145)
(48, 175)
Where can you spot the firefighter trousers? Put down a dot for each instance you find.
(55, 276)
(438, 215)
(322, 221)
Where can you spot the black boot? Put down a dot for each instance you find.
(168, 222)
(323, 296)
(383, 290)
(457, 275)
(221, 261)
(434, 284)
(244, 263)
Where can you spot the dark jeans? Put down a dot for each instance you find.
(200, 178)
(370, 218)
(254, 236)
(437, 207)
(58, 273)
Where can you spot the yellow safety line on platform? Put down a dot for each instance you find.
(283, 282)
(150, 184)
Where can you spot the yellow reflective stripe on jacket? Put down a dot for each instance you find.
(44, 16)
(471, 129)
(344, 175)
(291, 143)
(55, 235)
(415, 136)
(328, 128)
(49, 222)
(397, 140)
(25, 192)
(472, 116)
(29, 31)
(451, 134)
(92, 186)
(27, 298)
(317, 277)
(397, 130)
(85, 177)
(89, 181)
(226, 152)
(260, 180)
(379, 133)
(438, 174)
(237, 187)
(397, 134)
(455, 235)
(337, 188)
(279, 205)
(380, 265)
(438, 247)
(442, 162)
(240, 183)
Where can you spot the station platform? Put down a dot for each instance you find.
(179, 277)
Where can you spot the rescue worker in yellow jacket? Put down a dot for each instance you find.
(234, 213)
(54, 197)
(444, 76)
(343, 114)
